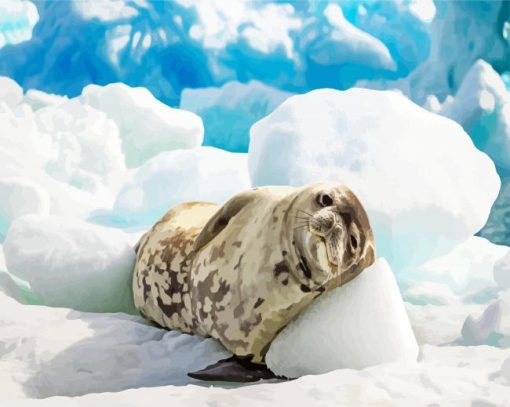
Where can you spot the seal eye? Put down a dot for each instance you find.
(354, 242)
(324, 200)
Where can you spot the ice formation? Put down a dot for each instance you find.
(201, 174)
(467, 268)
(502, 272)
(17, 19)
(146, 125)
(492, 327)
(20, 197)
(57, 351)
(69, 263)
(229, 112)
(360, 324)
(482, 106)
(170, 46)
(366, 139)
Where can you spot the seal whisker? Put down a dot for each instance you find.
(301, 210)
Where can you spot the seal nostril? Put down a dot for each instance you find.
(354, 242)
(324, 200)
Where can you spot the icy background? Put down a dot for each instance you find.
(113, 111)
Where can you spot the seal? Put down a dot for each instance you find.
(242, 271)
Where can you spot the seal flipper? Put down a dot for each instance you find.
(221, 218)
(233, 369)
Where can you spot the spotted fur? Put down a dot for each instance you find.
(240, 272)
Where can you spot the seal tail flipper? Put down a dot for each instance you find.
(233, 369)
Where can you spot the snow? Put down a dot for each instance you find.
(502, 272)
(20, 197)
(200, 174)
(146, 125)
(238, 104)
(469, 267)
(17, 19)
(491, 327)
(56, 351)
(360, 324)
(10, 92)
(482, 106)
(70, 263)
(364, 139)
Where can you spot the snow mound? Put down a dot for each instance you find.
(20, 197)
(85, 143)
(482, 106)
(361, 324)
(492, 327)
(37, 99)
(147, 126)
(425, 186)
(428, 292)
(10, 92)
(70, 263)
(60, 352)
(502, 272)
(467, 269)
(228, 112)
(17, 19)
(201, 174)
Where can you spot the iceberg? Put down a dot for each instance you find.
(229, 112)
(69, 263)
(424, 184)
(360, 324)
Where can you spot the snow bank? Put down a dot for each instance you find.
(361, 324)
(228, 112)
(492, 327)
(201, 174)
(502, 272)
(55, 351)
(467, 269)
(425, 186)
(17, 19)
(482, 106)
(438, 379)
(10, 92)
(70, 263)
(147, 126)
(20, 197)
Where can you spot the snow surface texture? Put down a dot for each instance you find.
(482, 107)
(146, 125)
(239, 105)
(361, 324)
(71, 263)
(365, 139)
(209, 174)
(169, 46)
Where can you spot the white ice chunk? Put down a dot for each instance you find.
(70, 263)
(469, 267)
(37, 99)
(425, 186)
(492, 327)
(86, 143)
(201, 174)
(147, 126)
(10, 92)
(18, 197)
(482, 107)
(361, 324)
(229, 112)
(428, 292)
(502, 271)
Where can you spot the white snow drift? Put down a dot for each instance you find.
(146, 125)
(360, 324)
(70, 263)
(201, 174)
(424, 184)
